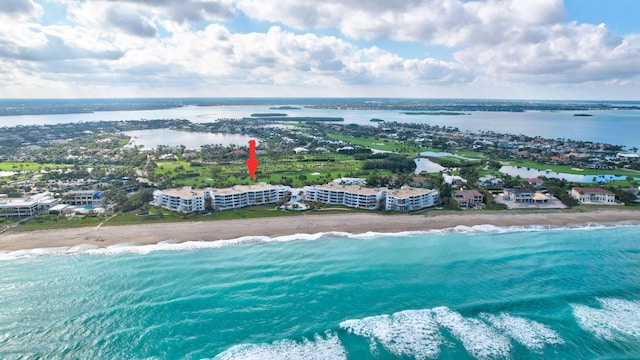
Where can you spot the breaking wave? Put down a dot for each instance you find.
(617, 319)
(320, 348)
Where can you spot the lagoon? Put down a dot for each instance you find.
(532, 173)
(191, 140)
(426, 165)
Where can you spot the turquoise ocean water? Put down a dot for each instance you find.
(481, 292)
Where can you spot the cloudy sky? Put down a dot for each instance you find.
(524, 49)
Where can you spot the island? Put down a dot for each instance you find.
(262, 115)
(284, 108)
(434, 113)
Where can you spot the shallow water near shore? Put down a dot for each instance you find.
(466, 293)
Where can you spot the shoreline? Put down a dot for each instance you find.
(145, 234)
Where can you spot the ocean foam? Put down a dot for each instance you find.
(411, 333)
(533, 335)
(479, 339)
(616, 319)
(320, 348)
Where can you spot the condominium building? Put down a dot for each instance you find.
(83, 198)
(347, 195)
(411, 199)
(27, 206)
(405, 199)
(187, 199)
(241, 196)
(184, 199)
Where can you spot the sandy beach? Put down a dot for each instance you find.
(308, 224)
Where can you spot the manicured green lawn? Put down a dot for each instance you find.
(28, 166)
(380, 144)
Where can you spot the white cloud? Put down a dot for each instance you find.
(447, 22)
(153, 45)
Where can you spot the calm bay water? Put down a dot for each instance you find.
(192, 140)
(482, 293)
(614, 127)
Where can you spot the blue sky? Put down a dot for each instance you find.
(522, 49)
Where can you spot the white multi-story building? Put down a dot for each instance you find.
(350, 181)
(241, 196)
(347, 195)
(411, 199)
(83, 198)
(187, 199)
(405, 199)
(184, 199)
(593, 196)
(27, 206)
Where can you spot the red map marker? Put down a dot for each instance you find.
(252, 163)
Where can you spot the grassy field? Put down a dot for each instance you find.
(380, 144)
(28, 166)
(42, 222)
(298, 169)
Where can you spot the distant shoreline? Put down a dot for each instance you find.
(305, 224)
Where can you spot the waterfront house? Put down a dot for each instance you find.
(593, 196)
(468, 198)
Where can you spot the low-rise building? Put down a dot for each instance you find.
(535, 182)
(184, 199)
(83, 198)
(187, 199)
(348, 195)
(26, 206)
(468, 198)
(404, 199)
(519, 195)
(241, 196)
(411, 199)
(593, 196)
(350, 181)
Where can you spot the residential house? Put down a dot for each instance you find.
(593, 196)
(468, 198)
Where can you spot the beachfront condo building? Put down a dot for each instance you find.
(187, 199)
(83, 198)
(411, 199)
(348, 195)
(241, 196)
(26, 206)
(184, 199)
(404, 199)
